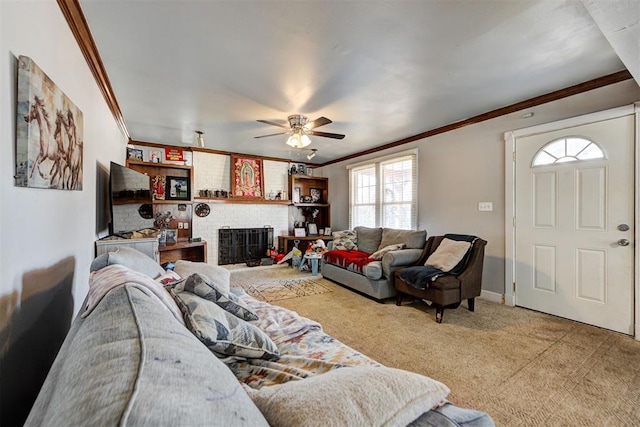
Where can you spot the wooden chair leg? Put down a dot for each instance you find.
(399, 298)
(439, 313)
(471, 302)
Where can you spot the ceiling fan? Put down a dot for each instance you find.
(300, 128)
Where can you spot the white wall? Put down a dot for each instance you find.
(458, 169)
(213, 172)
(38, 228)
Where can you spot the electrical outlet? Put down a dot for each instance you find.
(485, 206)
(180, 225)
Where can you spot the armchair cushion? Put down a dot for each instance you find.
(448, 254)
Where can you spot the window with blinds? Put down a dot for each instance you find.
(383, 192)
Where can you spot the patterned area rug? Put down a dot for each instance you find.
(278, 283)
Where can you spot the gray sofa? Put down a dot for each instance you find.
(376, 278)
(131, 362)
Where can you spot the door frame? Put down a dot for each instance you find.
(510, 139)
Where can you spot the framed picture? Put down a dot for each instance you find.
(155, 156)
(158, 183)
(327, 231)
(313, 229)
(49, 132)
(299, 232)
(134, 153)
(302, 169)
(316, 195)
(246, 177)
(171, 236)
(162, 236)
(296, 195)
(177, 188)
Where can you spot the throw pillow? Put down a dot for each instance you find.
(345, 240)
(377, 255)
(222, 332)
(359, 395)
(218, 275)
(200, 285)
(129, 257)
(448, 254)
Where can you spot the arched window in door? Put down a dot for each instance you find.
(567, 149)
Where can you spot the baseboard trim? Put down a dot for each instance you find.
(491, 296)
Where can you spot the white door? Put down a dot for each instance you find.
(575, 223)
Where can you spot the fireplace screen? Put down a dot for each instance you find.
(237, 245)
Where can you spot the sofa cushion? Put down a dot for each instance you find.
(448, 254)
(345, 240)
(359, 395)
(216, 274)
(201, 286)
(377, 255)
(368, 238)
(130, 363)
(129, 257)
(413, 239)
(222, 332)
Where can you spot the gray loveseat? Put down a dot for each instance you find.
(376, 277)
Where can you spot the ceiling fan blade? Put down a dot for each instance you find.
(320, 121)
(271, 134)
(286, 126)
(326, 134)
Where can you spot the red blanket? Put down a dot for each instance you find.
(350, 260)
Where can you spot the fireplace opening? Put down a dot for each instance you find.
(238, 245)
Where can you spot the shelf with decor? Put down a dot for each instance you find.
(171, 193)
(310, 194)
(239, 201)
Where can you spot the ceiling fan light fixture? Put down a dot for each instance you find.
(312, 154)
(200, 138)
(298, 140)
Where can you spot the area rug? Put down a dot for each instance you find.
(275, 284)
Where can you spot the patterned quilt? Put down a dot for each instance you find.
(305, 350)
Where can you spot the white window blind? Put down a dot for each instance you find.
(383, 193)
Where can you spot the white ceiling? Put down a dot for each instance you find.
(381, 70)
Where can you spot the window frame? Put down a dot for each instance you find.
(379, 200)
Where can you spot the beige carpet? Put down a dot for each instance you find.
(522, 367)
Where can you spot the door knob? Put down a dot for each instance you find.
(623, 242)
(623, 227)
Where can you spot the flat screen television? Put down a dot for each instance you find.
(129, 199)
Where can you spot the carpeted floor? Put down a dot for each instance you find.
(522, 367)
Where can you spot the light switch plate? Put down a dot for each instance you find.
(485, 206)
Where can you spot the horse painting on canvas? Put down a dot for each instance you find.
(49, 133)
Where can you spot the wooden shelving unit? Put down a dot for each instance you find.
(302, 185)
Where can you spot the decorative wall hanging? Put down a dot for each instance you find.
(202, 209)
(246, 177)
(48, 132)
